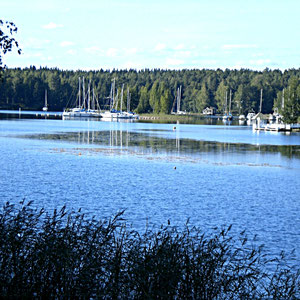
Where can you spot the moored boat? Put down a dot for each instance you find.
(45, 108)
(114, 113)
(85, 107)
(250, 116)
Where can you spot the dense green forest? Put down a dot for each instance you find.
(154, 91)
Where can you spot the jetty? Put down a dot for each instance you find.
(261, 123)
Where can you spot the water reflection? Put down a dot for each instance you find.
(149, 141)
(224, 174)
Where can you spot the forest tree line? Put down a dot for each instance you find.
(154, 91)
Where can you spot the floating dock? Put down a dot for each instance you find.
(276, 127)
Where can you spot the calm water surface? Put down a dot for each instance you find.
(224, 174)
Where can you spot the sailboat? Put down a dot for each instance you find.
(177, 103)
(227, 116)
(128, 113)
(45, 108)
(85, 107)
(113, 113)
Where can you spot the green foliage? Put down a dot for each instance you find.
(152, 91)
(202, 99)
(154, 97)
(143, 100)
(70, 255)
(220, 96)
(291, 108)
(245, 99)
(165, 99)
(7, 42)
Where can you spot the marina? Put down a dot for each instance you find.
(158, 172)
(115, 111)
(147, 159)
(85, 106)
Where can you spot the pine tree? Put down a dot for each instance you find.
(220, 96)
(291, 109)
(202, 99)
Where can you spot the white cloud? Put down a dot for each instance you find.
(160, 47)
(238, 46)
(72, 52)
(52, 25)
(184, 53)
(33, 55)
(112, 52)
(94, 50)
(179, 47)
(131, 51)
(257, 54)
(36, 44)
(209, 62)
(66, 44)
(174, 62)
(260, 62)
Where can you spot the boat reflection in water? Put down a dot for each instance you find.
(104, 167)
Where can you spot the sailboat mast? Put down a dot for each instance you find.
(79, 96)
(113, 92)
(282, 101)
(93, 101)
(128, 100)
(83, 91)
(89, 95)
(110, 97)
(122, 97)
(46, 104)
(260, 105)
(115, 105)
(229, 108)
(178, 99)
(225, 106)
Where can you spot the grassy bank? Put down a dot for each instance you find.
(169, 118)
(70, 255)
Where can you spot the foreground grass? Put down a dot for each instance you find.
(70, 255)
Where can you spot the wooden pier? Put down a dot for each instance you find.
(276, 127)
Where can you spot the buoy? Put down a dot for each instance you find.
(174, 128)
(175, 168)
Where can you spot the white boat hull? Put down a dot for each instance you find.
(118, 115)
(79, 113)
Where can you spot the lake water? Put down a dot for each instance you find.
(212, 174)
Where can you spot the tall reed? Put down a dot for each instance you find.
(72, 255)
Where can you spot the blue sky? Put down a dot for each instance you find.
(167, 34)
